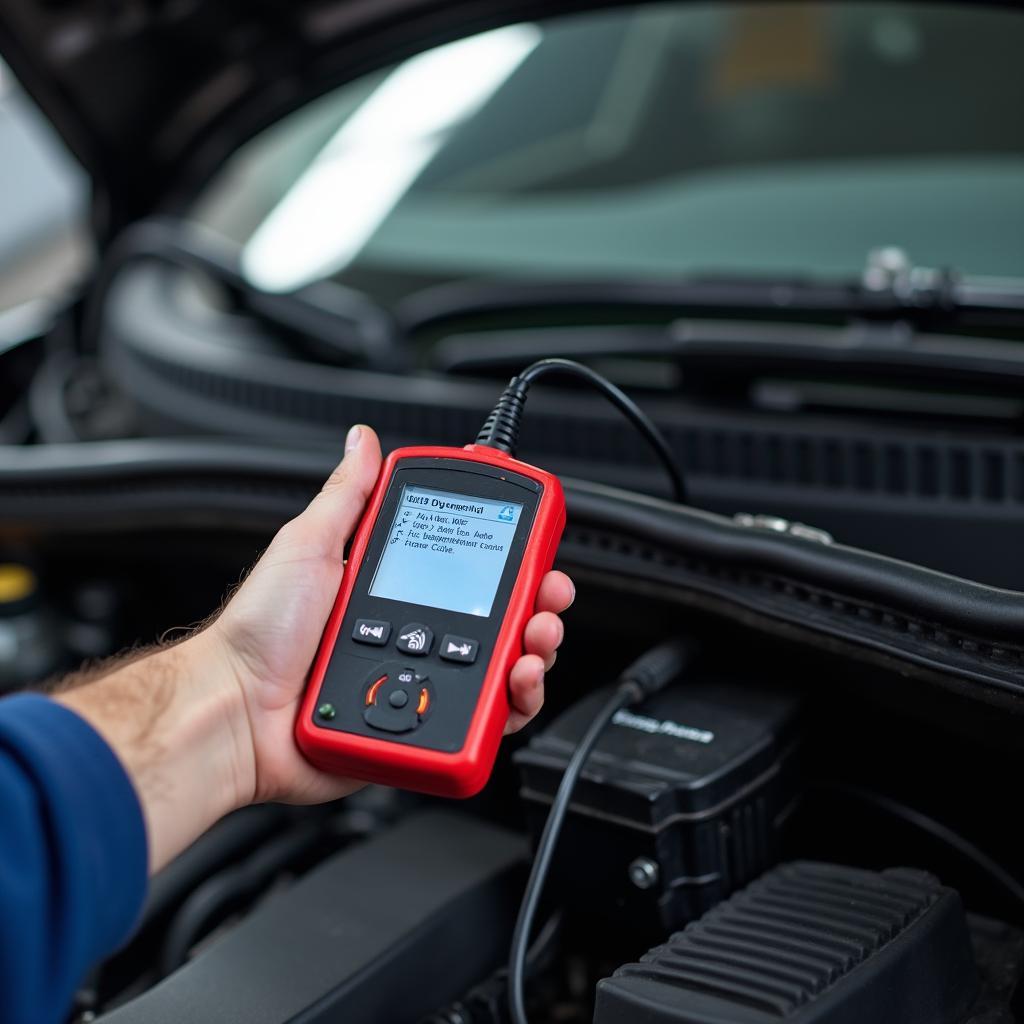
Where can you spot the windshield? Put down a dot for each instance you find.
(651, 142)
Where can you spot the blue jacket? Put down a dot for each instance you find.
(73, 857)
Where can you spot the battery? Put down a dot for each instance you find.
(679, 805)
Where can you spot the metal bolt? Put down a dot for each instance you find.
(644, 872)
(326, 711)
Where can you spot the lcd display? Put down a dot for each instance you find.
(446, 550)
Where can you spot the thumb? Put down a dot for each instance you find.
(331, 516)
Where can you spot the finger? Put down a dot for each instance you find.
(543, 636)
(332, 515)
(315, 787)
(526, 691)
(556, 592)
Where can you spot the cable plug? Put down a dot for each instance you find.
(501, 428)
(656, 668)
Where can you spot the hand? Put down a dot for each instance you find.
(270, 630)
(205, 726)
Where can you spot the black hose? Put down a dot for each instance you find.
(230, 889)
(338, 321)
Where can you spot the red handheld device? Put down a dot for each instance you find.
(410, 685)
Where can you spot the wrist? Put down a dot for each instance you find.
(176, 719)
(219, 722)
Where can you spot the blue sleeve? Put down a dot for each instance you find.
(73, 857)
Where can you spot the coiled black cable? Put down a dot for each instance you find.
(501, 428)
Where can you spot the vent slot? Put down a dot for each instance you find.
(818, 457)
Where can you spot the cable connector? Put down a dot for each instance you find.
(501, 428)
(655, 669)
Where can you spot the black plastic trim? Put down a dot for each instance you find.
(952, 500)
(422, 909)
(930, 625)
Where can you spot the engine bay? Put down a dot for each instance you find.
(768, 760)
(811, 820)
(804, 821)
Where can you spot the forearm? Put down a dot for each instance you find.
(177, 721)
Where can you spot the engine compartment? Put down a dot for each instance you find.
(852, 710)
(714, 205)
(880, 772)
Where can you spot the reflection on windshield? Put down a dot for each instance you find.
(357, 178)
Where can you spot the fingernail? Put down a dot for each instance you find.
(352, 440)
(573, 597)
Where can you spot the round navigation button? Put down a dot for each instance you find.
(396, 698)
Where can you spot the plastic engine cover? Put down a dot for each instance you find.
(694, 782)
(808, 944)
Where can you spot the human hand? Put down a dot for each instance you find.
(205, 726)
(269, 632)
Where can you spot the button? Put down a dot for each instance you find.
(371, 631)
(398, 698)
(415, 638)
(459, 648)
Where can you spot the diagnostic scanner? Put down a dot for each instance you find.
(410, 685)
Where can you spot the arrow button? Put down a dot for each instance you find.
(459, 648)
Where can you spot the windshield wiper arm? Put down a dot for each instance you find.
(889, 289)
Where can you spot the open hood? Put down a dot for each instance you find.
(152, 95)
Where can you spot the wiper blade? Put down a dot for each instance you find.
(889, 289)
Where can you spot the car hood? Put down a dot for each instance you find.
(152, 95)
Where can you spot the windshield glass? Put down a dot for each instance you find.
(650, 142)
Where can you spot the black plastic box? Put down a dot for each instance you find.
(678, 806)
